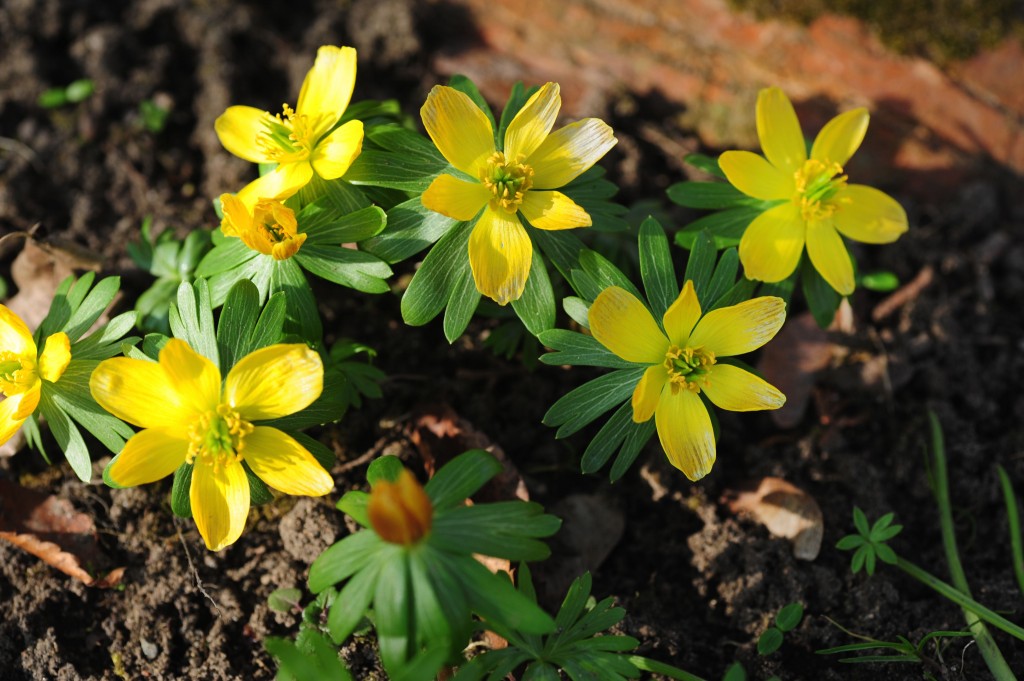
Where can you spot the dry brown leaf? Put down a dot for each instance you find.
(50, 529)
(785, 509)
(789, 363)
(38, 270)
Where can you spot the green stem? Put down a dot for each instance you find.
(966, 602)
(1012, 515)
(986, 644)
(649, 665)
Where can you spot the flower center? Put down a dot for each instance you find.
(217, 438)
(688, 368)
(17, 373)
(289, 136)
(507, 181)
(816, 185)
(276, 223)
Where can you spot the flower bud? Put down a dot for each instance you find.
(400, 512)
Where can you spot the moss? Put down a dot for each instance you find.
(941, 30)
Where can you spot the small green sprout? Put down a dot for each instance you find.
(74, 93)
(154, 116)
(787, 619)
(870, 543)
(882, 282)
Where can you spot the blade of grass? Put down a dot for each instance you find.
(648, 665)
(986, 644)
(1014, 518)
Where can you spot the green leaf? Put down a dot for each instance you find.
(723, 279)
(578, 310)
(707, 164)
(411, 227)
(739, 292)
(432, 285)
(351, 605)
(301, 314)
(883, 282)
(181, 499)
(462, 303)
(300, 666)
(191, 319)
(338, 196)
(105, 342)
(577, 349)
(226, 256)
(343, 559)
(237, 321)
(283, 600)
(789, 617)
(605, 273)
(323, 454)
(536, 307)
(91, 307)
(822, 299)
(324, 226)
(68, 438)
(736, 672)
(706, 195)
(259, 493)
(608, 439)
(656, 268)
(386, 467)
(354, 503)
(859, 557)
(574, 602)
(72, 396)
(886, 534)
(502, 529)
(562, 248)
(494, 598)
(860, 521)
(584, 404)
(726, 226)
(79, 90)
(392, 611)
(886, 554)
(700, 265)
(346, 266)
(769, 642)
(460, 478)
(407, 161)
(882, 523)
(638, 436)
(850, 542)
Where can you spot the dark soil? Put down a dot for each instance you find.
(699, 584)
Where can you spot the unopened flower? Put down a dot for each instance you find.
(23, 368)
(818, 204)
(188, 417)
(400, 512)
(684, 361)
(300, 140)
(519, 178)
(269, 227)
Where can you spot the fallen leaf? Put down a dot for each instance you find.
(50, 529)
(785, 509)
(790, 361)
(38, 270)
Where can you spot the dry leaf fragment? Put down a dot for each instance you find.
(785, 509)
(790, 362)
(50, 529)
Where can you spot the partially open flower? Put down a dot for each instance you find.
(400, 512)
(270, 227)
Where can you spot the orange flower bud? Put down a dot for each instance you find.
(400, 512)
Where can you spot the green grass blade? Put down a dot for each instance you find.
(1013, 517)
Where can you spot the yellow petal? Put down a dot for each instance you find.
(140, 392)
(281, 462)
(829, 256)
(770, 247)
(779, 131)
(26, 405)
(625, 326)
(14, 335)
(681, 316)
(569, 152)
(865, 214)
(500, 255)
(754, 176)
(148, 456)
(280, 183)
(237, 220)
(740, 328)
(461, 131)
(685, 431)
(327, 87)
(840, 137)
(220, 502)
(195, 378)
(335, 153)
(455, 198)
(648, 392)
(274, 381)
(532, 124)
(553, 210)
(736, 389)
(55, 358)
(10, 407)
(239, 128)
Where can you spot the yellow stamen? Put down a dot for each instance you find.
(689, 368)
(217, 438)
(508, 181)
(816, 187)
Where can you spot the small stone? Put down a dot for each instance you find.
(150, 650)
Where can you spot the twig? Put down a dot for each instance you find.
(903, 295)
(194, 571)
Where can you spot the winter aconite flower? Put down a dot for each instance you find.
(400, 512)
(188, 417)
(269, 227)
(817, 205)
(518, 178)
(300, 140)
(23, 368)
(685, 360)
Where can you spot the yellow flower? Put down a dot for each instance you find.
(818, 203)
(400, 512)
(684, 361)
(299, 141)
(22, 370)
(270, 227)
(188, 417)
(519, 178)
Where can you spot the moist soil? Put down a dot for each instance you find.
(699, 583)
